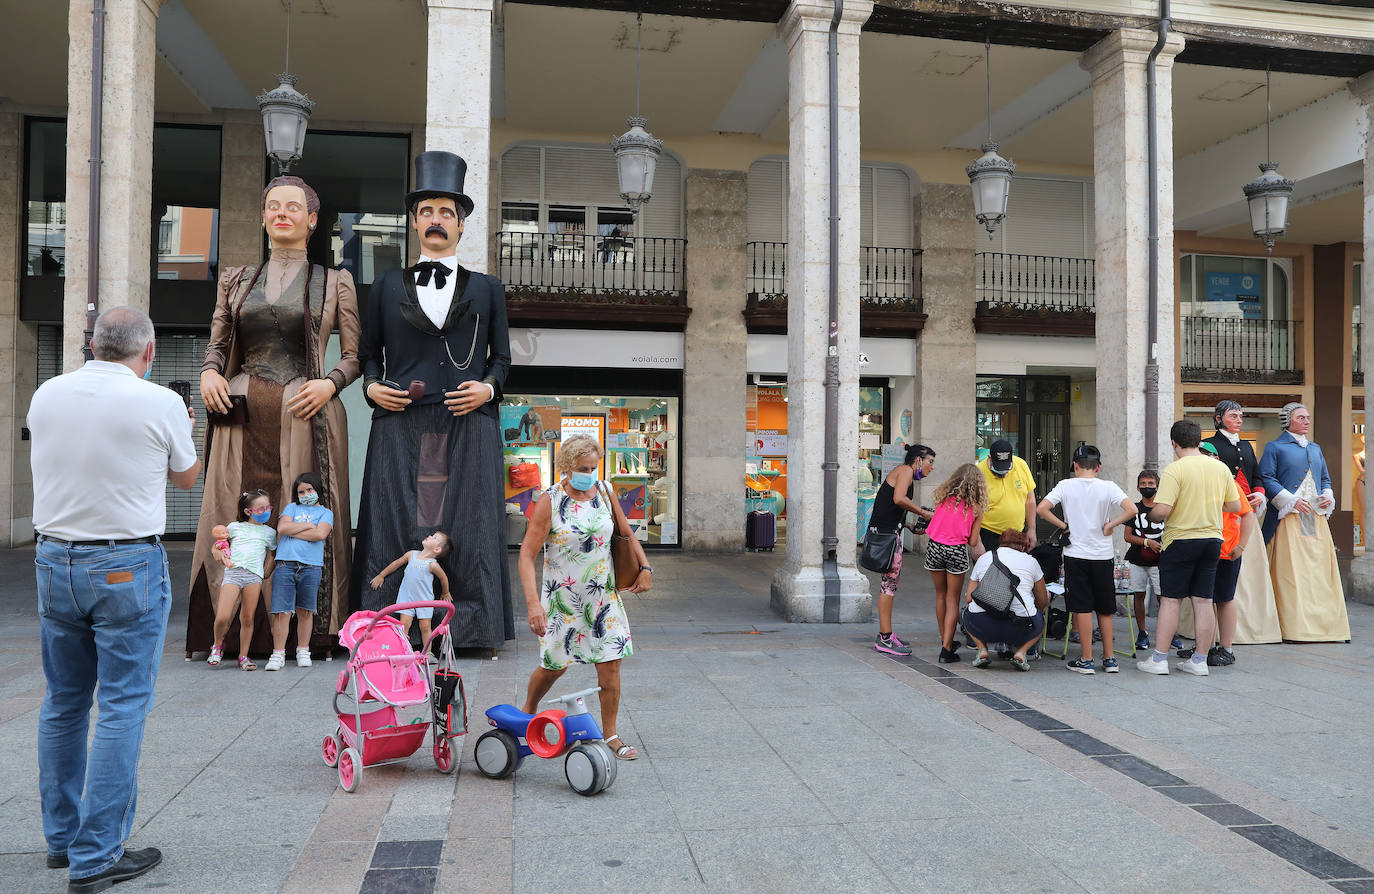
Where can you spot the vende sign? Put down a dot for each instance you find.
(596, 348)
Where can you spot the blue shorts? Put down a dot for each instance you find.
(295, 586)
(1189, 568)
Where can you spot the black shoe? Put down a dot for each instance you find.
(1184, 653)
(57, 861)
(1219, 657)
(948, 656)
(130, 866)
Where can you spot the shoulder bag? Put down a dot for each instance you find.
(623, 557)
(998, 590)
(878, 549)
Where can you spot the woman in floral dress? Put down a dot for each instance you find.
(577, 613)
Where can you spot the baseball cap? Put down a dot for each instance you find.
(1209, 448)
(1087, 451)
(999, 457)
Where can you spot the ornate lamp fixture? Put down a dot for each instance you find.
(285, 113)
(636, 151)
(1268, 194)
(991, 174)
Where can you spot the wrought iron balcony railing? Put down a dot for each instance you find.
(593, 268)
(1224, 349)
(890, 277)
(1036, 281)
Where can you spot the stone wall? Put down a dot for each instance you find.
(714, 371)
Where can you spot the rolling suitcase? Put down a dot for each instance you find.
(760, 530)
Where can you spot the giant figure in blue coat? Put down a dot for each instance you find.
(1302, 556)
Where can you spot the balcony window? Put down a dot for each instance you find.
(1231, 287)
(45, 175)
(185, 210)
(361, 179)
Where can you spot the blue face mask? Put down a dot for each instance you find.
(582, 480)
(309, 499)
(261, 517)
(148, 373)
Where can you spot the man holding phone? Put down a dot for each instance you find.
(103, 589)
(435, 352)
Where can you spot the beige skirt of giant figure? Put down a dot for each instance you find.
(265, 371)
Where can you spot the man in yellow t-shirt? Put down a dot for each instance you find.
(1011, 495)
(1193, 493)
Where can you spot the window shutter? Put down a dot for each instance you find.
(768, 200)
(662, 216)
(520, 174)
(1046, 217)
(581, 176)
(891, 220)
(866, 202)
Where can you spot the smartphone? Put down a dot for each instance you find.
(183, 388)
(416, 391)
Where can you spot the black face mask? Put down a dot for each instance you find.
(1148, 492)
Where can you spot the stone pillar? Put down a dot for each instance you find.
(1121, 172)
(18, 358)
(946, 351)
(799, 586)
(458, 107)
(126, 170)
(714, 369)
(1362, 568)
(242, 165)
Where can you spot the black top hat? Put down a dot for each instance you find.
(439, 173)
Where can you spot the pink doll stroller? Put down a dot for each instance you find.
(395, 702)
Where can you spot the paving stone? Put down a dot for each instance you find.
(1230, 814)
(399, 881)
(1190, 794)
(1304, 853)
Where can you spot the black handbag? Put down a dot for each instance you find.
(878, 548)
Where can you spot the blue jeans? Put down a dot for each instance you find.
(104, 618)
(295, 585)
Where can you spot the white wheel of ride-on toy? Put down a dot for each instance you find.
(586, 769)
(497, 754)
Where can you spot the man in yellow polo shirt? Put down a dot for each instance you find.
(1011, 495)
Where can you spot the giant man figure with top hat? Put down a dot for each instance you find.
(435, 352)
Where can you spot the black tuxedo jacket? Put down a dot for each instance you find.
(400, 344)
(1238, 458)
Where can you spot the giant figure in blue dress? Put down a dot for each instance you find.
(1302, 555)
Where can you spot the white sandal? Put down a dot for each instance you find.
(624, 751)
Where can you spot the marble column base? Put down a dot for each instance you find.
(798, 595)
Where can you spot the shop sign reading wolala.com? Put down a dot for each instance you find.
(596, 348)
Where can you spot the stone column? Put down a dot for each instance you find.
(126, 170)
(18, 356)
(799, 591)
(946, 352)
(458, 108)
(1120, 169)
(242, 166)
(1362, 568)
(714, 369)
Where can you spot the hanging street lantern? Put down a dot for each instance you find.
(636, 158)
(285, 113)
(636, 151)
(990, 175)
(1268, 194)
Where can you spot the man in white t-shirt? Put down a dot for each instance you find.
(1093, 508)
(105, 442)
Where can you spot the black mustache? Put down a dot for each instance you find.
(436, 230)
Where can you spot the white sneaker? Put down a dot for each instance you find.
(1150, 666)
(302, 658)
(1196, 668)
(277, 661)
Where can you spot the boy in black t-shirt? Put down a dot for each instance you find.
(1144, 538)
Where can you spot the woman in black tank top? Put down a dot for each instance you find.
(894, 500)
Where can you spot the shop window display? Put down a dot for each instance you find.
(638, 437)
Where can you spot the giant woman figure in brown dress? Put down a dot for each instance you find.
(268, 340)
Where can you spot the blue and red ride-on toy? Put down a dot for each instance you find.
(590, 763)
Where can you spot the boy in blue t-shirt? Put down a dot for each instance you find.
(303, 526)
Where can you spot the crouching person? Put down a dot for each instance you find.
(1007, 568)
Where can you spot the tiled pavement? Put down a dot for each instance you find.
(776, 757)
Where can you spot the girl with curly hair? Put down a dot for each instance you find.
(959, 506)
